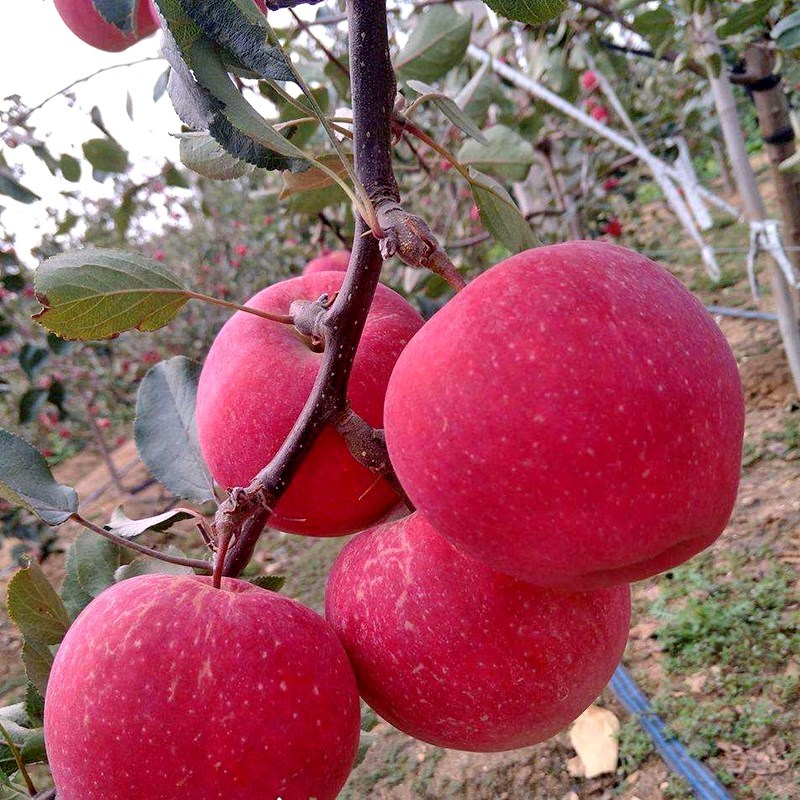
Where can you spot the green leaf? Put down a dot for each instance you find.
(26, 480)
(32, 358)
(33, 749)
(160, 85)
(314, 179)
(242, 30)
(70, 168)
(314, 202)
(787, 32)
(174, 177)
(202, 154)
(72, 593)
(97, 294)
(128, 528)
(12, 188)
(30, 404)
(166, 431)
(272, 583)
(210, 72)
(745, 16)
(35, 607)
(449, 108)
(119, 13)
(500, 215)
(532, 12)
(34, 701)
(506, 154)
(106, 155)
(38, 660)
(96, 561)
(436, 45)
(145, 565)
(656, 26)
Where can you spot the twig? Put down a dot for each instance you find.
(17, 756)
(194, 563)
(13, 123)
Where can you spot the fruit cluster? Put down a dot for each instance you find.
(570, 422)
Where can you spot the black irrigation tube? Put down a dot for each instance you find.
(701, 780)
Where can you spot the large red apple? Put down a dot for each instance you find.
(460, 656)
(84, 20)
(255, 381)
(573, 417)
(335, 261)
(166, 688)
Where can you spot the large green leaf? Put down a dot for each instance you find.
(35, 607)
(500, 215)
(745, 16)
(533, 12)
(436, 45)
(166, 431)
(506, 154)
(97, 294)
(26, 480)
(237, 112)
(242, 30)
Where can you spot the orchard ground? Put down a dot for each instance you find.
(711, 642)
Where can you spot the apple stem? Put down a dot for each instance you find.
(243, 515)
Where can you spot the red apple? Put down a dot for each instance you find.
(460, 656)
(165, 688)
(337, 260)
(574, 418)
(255, 381)
(84, 20)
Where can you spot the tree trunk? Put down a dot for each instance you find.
(784, 294)
(776, 130)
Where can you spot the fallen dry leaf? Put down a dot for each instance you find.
(594, 737)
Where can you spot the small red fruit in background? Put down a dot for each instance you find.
(589, 81)
(86, 22)
(159, 255)
(279, 715)
(460, 656)
(609, 184)
(600, 113)
(336, 260)
(103, 423)
(475, 214)
(613, 227)
(241, 249)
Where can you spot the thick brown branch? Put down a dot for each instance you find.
(246, 511)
